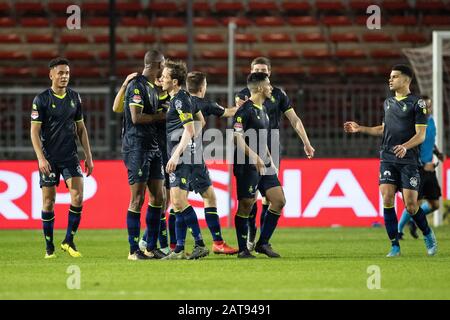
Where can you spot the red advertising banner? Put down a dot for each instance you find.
(319, 192)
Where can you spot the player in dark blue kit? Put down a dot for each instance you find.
(196, 85)
(181, 148)
(254, 168)
(142, 155)
(403, 130)
(429, 190)
(56, 123)
(161, 134)
(276, 105)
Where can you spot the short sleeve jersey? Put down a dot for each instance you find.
(140, 93)
(276, 106)
(400, 118)
(252, 122)
(58, 115)
(180, 112)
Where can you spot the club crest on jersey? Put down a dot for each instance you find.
(137, 98)
(421, 103)
(178, 104)
(34, 107)
(272, 99)
(72, 104)
(172, 177)
(404, 108)
(53, 106)
(34, 115)
(413, 182)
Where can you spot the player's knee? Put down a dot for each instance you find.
(77, 199)
(178, 203)
(411, 207)
(388, 200)
(434, 205)
(48, 204)
(137, 202)
(245, 207)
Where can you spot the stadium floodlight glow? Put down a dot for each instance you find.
(428, 63)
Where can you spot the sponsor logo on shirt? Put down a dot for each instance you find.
(137, 98)
(34, 115)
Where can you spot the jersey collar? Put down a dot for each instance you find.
(59, 97)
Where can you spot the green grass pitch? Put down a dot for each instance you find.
(319, 263)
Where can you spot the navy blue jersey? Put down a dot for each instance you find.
(180, 112)
(207, 107)
(276, 106)
(252, 122)
(57, 115)
(400, 118)
(163, 105)
(140, 93)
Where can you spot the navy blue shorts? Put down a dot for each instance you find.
(67, 170)
(200, 179)
(404, 176)
(248, 181)
(143, 166)
(429, 185)
(181, 177)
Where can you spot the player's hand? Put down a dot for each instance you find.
(88, 167)
(309, 151)
(351, 127)
(260, 166)
(400, 151)
(129, 77)
(441, 157)
(44, 166)
(172, 164)
(240, 102)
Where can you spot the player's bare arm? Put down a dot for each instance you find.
(353, 127)
(297, 124)
(230, 112)
(84, 140)
(120, 96)
(401, 149)
(138, 117)
(240, 143)
(188, 134)
(44, 165)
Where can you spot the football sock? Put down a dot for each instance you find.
(403, 220)
(265, 207)
(152, 219)
(172, 235)
(48, 221)
(73, 223)
(213, 222)
(426, 208)
(180, 231)
(421, 221)
(269, 225)
(252, 219)
(390, 221)
(190, 219)
(134, 228)
(163, 231)
(241, 225)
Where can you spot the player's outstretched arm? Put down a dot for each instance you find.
(297, 124)
(120, 96)
(230, 112)
(84, 140)
(353, 127)
(138, 117)
(44, 165)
